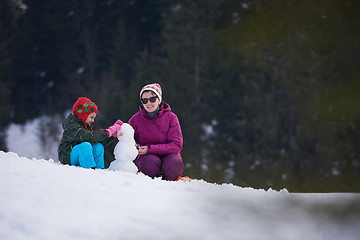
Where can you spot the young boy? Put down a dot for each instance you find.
(80, 145)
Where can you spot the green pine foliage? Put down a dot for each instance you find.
(9, 15)
(299, 45)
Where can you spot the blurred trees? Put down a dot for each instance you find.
(265, 91)
(300, 46)
(10, 11)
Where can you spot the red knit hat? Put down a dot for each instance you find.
(83, 107)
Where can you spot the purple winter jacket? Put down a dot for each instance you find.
(162, 134)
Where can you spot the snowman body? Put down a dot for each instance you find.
(125, 150)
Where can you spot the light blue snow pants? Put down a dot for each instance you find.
(87, 156)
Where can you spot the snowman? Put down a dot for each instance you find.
(125, 150)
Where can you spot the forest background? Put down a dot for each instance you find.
(266, 91)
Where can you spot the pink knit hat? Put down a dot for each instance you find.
(155, 88)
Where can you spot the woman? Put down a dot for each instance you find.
(158, 136)
(80, 145)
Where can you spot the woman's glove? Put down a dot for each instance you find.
(112, 130)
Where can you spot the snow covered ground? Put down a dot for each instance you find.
(42, 199)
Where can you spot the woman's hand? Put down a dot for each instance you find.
(142, 149)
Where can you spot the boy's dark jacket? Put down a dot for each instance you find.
(75, 133)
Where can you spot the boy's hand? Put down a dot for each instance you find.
(112, 130)
(119, 122)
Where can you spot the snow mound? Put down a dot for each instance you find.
(37, 138)
(46, 200)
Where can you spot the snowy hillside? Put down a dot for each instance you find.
(45, 200)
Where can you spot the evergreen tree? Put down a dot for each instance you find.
(35, 70)
(10, 12)
(183, 72)
(300, 46)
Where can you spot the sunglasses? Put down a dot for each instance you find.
(145, 100)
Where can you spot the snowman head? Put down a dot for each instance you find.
(126, 132)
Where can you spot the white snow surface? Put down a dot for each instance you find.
(42, 199)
